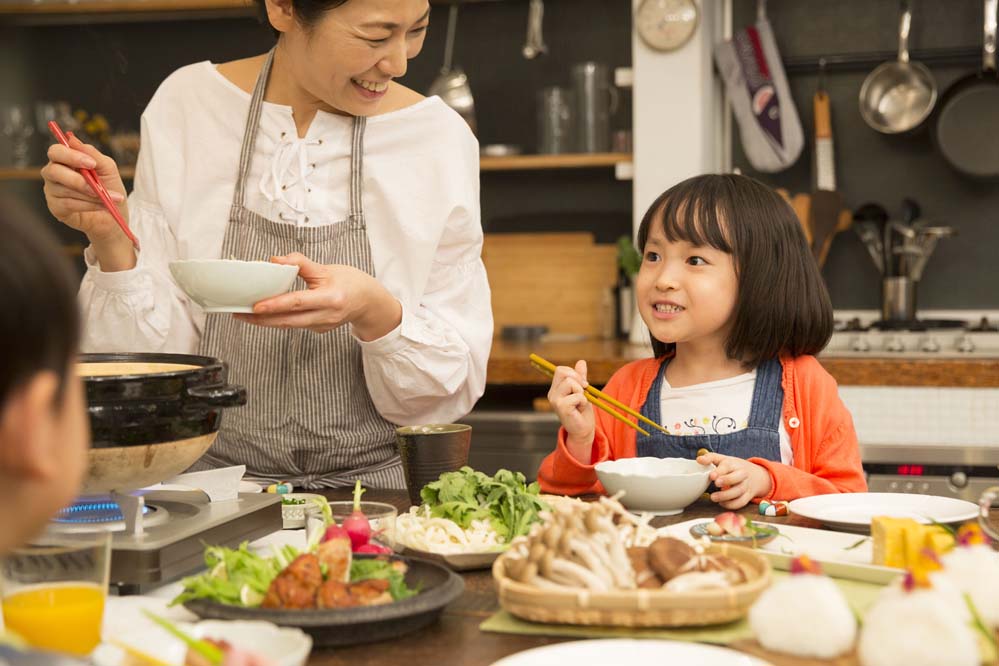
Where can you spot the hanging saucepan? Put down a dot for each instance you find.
(151, 415)
(451, 85)
(898, 95)
(967, 127)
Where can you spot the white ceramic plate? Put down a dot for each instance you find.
(629, 651)
(841, 554)
(250, 487)
(457, 561)
(853, 511)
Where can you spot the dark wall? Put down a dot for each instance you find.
(114, 68)
(872, 167)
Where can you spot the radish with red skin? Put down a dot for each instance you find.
(334, 531)
(356, 524)
(373, 548)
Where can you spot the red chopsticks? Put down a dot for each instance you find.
(95, 183)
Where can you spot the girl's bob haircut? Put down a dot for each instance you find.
(783, 306)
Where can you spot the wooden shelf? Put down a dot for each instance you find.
(122, 6)
(35, 173)
(512, 163)
(567, 161)
(132, 6)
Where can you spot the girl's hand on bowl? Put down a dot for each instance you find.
(740, 481)
(336, 295)
(569, 402)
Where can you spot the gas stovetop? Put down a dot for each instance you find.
(930, 337)
(159, 536)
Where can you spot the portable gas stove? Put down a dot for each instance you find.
(160, 535)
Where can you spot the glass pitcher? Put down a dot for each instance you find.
(984, 505)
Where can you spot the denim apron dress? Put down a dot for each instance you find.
(759, 439)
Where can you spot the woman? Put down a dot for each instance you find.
(314, 154)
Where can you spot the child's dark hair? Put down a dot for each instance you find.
(308, 12)
(39, 322)
(782, 305)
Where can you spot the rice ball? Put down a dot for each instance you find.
(919, 628)
(805, 615)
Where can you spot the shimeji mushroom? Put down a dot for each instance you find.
(575, 546)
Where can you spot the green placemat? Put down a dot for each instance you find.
(858, 594)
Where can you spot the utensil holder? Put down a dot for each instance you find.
(898, 298)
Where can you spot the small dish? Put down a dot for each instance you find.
(229, 285)
(381, 517)
(664, 486)
(764, 533)
(458, 561)
(293, 509)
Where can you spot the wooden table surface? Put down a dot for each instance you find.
(508, 364)
(455, 640)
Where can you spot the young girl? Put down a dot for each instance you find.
(736, 309)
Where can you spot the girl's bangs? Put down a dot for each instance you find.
(695, 215)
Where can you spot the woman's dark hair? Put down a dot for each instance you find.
(782, 303)
(39, 322)
(308, 12)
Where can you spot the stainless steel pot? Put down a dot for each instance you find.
(898, 95)
(151, 415)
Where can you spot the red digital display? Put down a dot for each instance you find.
(910, 470)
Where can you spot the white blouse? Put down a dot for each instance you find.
(421, 204)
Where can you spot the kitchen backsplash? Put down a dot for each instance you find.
(874, 167)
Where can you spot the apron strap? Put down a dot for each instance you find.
(357, 167)
(250, 133)
(768, 396)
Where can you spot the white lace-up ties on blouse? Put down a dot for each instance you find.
(421, 192)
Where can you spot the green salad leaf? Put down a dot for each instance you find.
(230, 571)
(506, 500)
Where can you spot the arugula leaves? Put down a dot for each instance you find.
(505, 500)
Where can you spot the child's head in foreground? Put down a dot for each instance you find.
(44, 431)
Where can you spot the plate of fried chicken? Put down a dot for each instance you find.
(340, 598)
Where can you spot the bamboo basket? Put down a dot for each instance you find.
(635, 608)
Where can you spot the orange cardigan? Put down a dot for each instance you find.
(823, 441)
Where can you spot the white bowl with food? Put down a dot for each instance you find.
(230, 285)
(664, 486)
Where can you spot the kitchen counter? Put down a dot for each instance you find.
(508, 364)
(457, 641)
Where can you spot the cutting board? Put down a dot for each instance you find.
(564, 281)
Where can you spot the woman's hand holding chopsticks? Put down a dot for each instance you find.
(74, 203)
(568, 399)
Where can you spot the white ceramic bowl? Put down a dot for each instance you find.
(664, 486)
(228, 285)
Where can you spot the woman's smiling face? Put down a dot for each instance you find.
(347, 58)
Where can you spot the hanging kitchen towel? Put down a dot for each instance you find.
(750, 65)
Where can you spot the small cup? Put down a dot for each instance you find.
(381, 517)
(427, 451)
(54, 590)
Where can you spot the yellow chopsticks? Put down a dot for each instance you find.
(595, 395)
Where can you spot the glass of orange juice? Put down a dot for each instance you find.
(53, 590)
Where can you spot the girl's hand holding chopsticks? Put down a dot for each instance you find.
(568, 399)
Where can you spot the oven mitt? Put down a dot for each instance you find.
(754, 78)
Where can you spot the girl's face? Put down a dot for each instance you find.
(347, 59)
(686, 293)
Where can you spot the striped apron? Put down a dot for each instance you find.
(309, 418)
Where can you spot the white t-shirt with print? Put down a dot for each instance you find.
(714, 408)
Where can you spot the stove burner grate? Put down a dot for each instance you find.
(94, 513)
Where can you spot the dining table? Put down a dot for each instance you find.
(456, 640)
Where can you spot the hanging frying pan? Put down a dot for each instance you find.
(967, 128)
